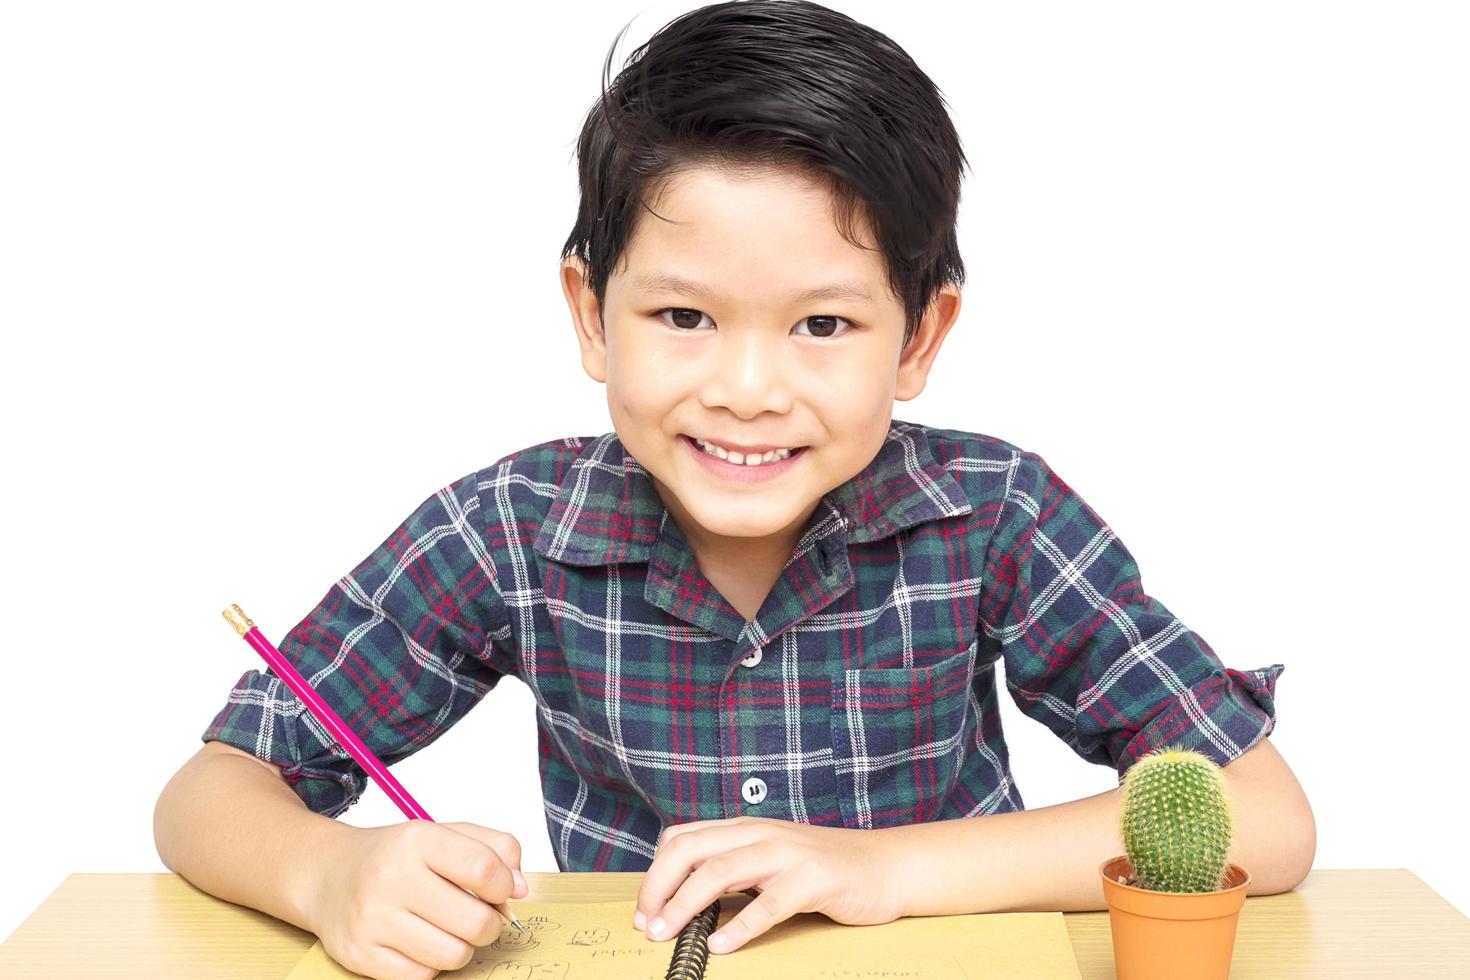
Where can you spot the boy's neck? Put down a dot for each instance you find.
(742, 569)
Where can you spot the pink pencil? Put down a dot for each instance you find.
(345, 737)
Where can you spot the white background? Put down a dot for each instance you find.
(272, 273)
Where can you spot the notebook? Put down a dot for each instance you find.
(597, 941)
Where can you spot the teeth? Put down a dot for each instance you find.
(738, 459)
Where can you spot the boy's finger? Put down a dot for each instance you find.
(505, 844)
(680, 853)
(776, 904)
(472, 864)
(728, 871)
(675, 829)
(435, 899)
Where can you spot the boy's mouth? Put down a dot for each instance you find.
(712, 460)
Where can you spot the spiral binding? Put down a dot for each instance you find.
(691, 949)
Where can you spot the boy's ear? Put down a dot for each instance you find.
(916, 359)
(586, 317)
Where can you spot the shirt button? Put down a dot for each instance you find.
(754, 789)
(751, 659)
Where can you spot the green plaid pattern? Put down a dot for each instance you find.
(863, 693)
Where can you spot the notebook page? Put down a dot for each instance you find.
(597, 941)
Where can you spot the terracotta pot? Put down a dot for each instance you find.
(1172, 935)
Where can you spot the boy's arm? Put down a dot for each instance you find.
(1047, 859)
(1112, 672)
(402, 647)
(1089, 653)
(229, 823)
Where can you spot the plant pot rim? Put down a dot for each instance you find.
(1110, 869)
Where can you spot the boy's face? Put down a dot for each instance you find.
(750, 362)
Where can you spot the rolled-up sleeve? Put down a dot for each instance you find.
(1088, 653)
(401, 647)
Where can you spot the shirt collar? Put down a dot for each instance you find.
(607, 509)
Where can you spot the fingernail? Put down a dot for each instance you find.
(517, 878)
(656, 928)
(718, 942)
(639, 919)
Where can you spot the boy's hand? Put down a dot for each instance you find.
(390, 902)
(851, 876)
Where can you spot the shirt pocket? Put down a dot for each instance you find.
(898, 737)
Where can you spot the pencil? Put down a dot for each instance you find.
(345, 737)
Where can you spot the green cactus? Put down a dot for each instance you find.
(1175, 821)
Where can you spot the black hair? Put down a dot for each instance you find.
(751, 84)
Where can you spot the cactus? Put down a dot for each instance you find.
(1175, 820)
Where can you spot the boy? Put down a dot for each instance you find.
(761, 618)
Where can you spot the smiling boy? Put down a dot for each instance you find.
(762, 617)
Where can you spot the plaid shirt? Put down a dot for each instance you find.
(863, 693)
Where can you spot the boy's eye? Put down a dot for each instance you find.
(687, 320)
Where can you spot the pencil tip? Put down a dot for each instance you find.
(518, 925)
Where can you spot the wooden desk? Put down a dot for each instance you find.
(1337, 924)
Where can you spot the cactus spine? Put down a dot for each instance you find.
(1175, 821)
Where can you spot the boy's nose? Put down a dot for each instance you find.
(749, 373)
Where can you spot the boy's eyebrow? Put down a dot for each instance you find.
(668, 282)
